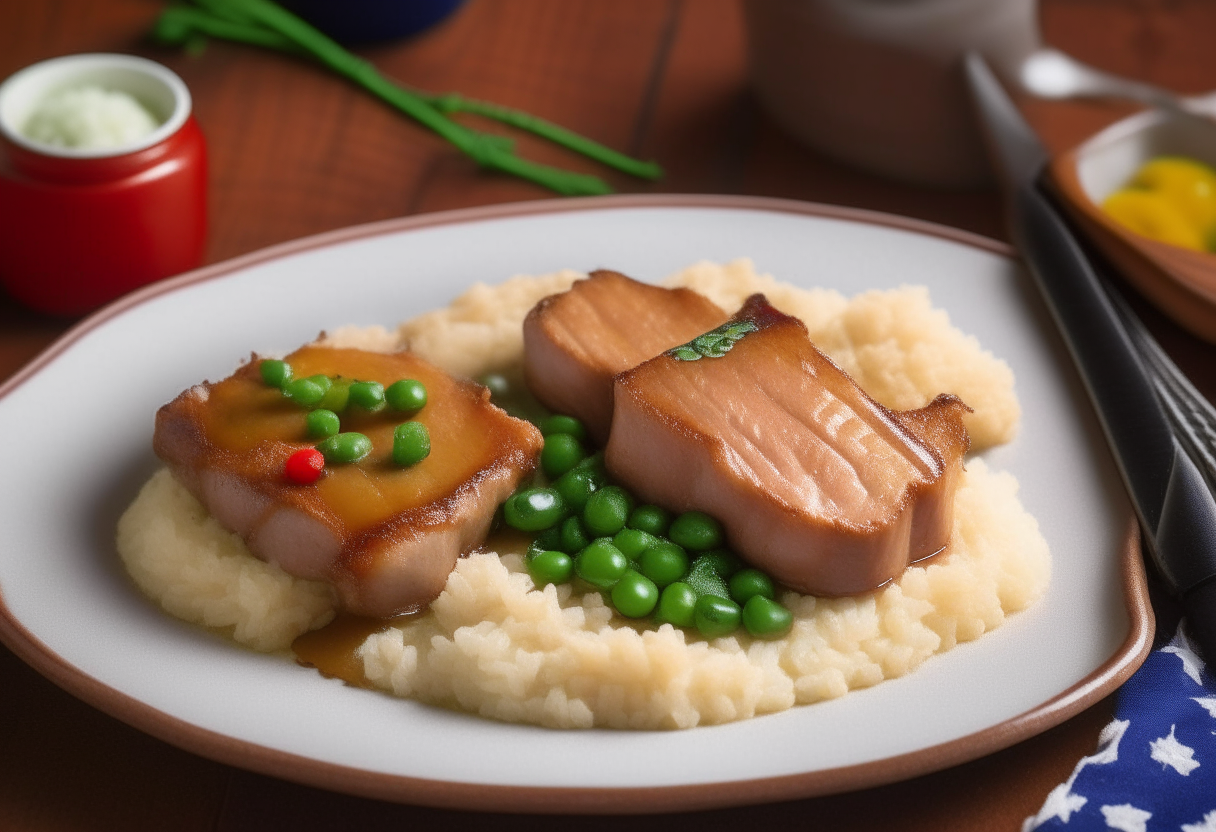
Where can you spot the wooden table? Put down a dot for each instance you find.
(295, 151)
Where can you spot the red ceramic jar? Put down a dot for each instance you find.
(79, 227)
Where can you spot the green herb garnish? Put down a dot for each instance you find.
(266, 24)
(713, 344)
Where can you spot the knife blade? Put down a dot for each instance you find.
(1172, 499)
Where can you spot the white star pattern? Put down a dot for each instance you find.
(1154, 769)
(1208, 824)
(1061, 803)
(1182, 647)
(1108, 743)
(1169, 752)
(1126, 818)
(1208, 703)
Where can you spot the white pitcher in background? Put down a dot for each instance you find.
(878, 83)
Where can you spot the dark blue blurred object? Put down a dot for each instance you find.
(371, 21)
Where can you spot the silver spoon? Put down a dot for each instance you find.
(1050, 73)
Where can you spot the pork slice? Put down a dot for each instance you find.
(386, 537)
(576, 341)
(813, 481)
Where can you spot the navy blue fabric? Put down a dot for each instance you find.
(1155, 767)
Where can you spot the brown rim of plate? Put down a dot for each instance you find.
(474, 796)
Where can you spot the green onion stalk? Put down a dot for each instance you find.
(266, 24)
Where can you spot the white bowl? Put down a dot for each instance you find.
(1108, 161)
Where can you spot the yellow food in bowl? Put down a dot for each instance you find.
(1171, 199)
(1154, 215)
(1189, 185)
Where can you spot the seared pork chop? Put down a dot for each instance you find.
(813, 481)
(383, 535)
(576, 341)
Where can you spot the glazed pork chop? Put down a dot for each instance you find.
(385, 536)
(813, 481)
(576, 341)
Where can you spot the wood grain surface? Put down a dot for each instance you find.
(295, 151)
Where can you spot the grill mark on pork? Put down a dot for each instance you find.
(385, 537)
(816, 483)
(576, 341)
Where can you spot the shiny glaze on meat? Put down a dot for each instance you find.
(814, 482)
(385, 536)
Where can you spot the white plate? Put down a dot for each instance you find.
(78, 426)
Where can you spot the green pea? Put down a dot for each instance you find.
(275, 373)
(664, 563)
(345, 447)
(633, 542)
(534, 549)
(749, 583)
(368, 395)
(411, 443)
(725, 562)
(634, 595)
(497, 384)
(601, 564)
(650, 519)
(593, 466)
(607, 510)
(407, 395)
(321, 423)
(533, 509)
(546, 540)
(765, 618)
(321, 380)
(337, 396)
(715, 617)
(563, 425)
(696, 531)
(705, 580)
(677, 605)
(304, 392)
(577, 486)
(561, 453)
(573, 535)
(550, 567)
(550, 538)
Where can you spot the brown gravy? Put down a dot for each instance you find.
(249, 425)
(332, 649)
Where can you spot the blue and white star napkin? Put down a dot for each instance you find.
(1155, 767)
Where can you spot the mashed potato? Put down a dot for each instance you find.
(494, 644)
(201, 572)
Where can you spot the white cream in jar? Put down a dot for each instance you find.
(88, 116)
